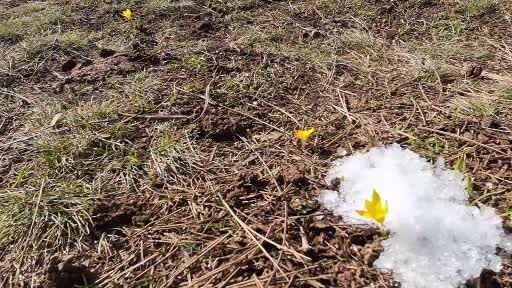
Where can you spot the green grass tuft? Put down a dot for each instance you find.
(37, 20)
(453, 28)
(505, 92)
(56, 151)
(166, 6)
(53, 214)
(480, 7)
(431, 146)
(91, 115)
(141, 89)
(172, 159)
(483, 108)
(122, 131)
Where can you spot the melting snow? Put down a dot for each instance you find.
(437, 239)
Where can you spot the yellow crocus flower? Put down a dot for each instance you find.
(304, 135)
(127, 14)
(375, 209)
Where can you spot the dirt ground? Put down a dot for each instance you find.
(159, 151)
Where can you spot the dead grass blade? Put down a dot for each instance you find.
(182, 268)
(465, 139)
(251, 235)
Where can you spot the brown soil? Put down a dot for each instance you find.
(230, 199)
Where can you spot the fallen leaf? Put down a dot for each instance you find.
(55, 119)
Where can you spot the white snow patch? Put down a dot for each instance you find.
(437, 239)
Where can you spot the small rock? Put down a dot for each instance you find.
(268, 137)
(482, 137)
(335, 184)
(289, 174)
(341, 152)
(320, 225)
(489, 122)
(473, 71)
(468, 135)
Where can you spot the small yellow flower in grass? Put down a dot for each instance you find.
(127, 14)
(375, 209)
(304, 135)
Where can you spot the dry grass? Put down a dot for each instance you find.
(169, 161)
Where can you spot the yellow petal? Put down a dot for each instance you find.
(304, 135)
(127, 14)
(363, 213)
(368, 205)
(375, 197)
(375, 209)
